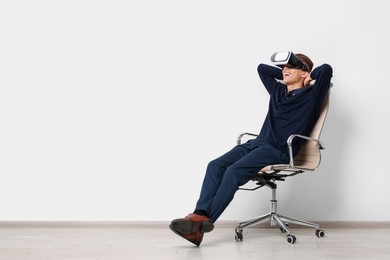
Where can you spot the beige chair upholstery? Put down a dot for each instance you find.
(308, 159)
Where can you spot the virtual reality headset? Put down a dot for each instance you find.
(287, 59)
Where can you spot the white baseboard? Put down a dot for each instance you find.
(163, 224)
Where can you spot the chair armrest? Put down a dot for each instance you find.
(290, 150)
(239, 139)
(291, 165)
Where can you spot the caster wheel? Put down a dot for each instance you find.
(320, 233)
(282, 230)
(291, 239)
(239, 237)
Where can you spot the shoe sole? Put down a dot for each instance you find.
(187, 227)
(195, 242)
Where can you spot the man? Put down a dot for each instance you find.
(294, 107)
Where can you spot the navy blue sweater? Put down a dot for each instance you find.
(295, 112)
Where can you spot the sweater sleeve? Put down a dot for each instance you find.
(322, 76)
(269, 75)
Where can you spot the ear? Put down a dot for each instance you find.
(305, 74)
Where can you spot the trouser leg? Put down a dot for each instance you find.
(239, 173)
(214, 176)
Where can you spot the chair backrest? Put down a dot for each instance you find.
(309, 156)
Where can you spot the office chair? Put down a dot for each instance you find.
(308, 159)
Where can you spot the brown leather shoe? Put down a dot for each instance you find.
(195, 238)
(192, 223)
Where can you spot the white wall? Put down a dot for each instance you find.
(111, 110)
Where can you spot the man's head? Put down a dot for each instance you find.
(296, 77)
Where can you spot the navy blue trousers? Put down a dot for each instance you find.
(225, 174)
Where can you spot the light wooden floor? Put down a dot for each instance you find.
(158, 242)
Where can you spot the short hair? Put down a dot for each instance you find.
(306, 60)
